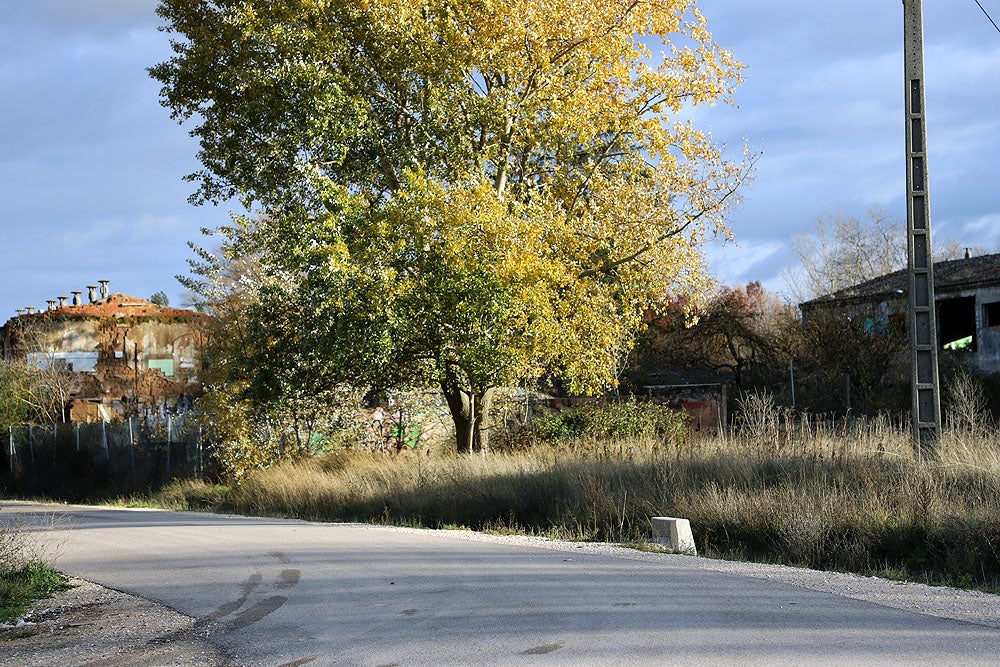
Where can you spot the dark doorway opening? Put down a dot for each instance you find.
(957, 324)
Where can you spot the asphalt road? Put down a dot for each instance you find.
(281, 592)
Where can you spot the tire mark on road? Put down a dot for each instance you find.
(287, 579)
(297, 663)
(542, 650)
(257, 612)
(246, 590)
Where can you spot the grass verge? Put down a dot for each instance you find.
(852, 501)
(24, 575)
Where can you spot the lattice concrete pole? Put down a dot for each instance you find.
(922, 321)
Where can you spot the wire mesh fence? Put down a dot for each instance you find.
(80, 459)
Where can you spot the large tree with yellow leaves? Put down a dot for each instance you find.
(470, 191)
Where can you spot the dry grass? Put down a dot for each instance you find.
(24, 573)
(844, 496)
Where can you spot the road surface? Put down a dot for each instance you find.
(284, 592)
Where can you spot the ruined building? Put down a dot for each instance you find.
(967, 296)
(120, 355)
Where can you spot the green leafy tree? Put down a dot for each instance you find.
(465, 193)
(160, 299)
(267, 394)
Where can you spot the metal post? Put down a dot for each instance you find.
(926, 399)
(168, 445)
(31, 446)
(104, 440)
(131, 445)
(77, 429)
(724, 410)
(847, 391)
(472, 419)
(791, 379)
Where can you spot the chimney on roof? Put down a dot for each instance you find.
(92, 297)
(104, 288)
(29, 309)
(52, 303)
(21, 311)
(968, 253)
(76, 296)
(62, 301)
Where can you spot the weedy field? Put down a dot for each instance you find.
(24, 572)
(846, 495)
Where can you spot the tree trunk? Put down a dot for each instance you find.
(470, 413)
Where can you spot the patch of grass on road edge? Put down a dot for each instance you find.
(24, 575)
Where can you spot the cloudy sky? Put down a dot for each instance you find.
(91, 165)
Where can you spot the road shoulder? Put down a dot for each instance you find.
(89, 625)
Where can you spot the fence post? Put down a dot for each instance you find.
(55, 439)
(13, 450)
(169, 440)
(77, 436)
(31, 446)
(104, 440)
(201, 467)
(724, 410)
(131, 445)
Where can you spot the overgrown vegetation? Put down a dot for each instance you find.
(615, 421)
(840, 495)
(24, 575)
(31, 395)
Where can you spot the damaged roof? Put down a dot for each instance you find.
(115, 305)
(950, 276)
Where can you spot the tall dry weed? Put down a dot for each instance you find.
(966, 409)
(841, 494)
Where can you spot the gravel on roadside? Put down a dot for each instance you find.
(89, 625)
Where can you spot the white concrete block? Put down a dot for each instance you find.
(675, 533)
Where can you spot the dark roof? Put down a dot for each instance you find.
(951, 276)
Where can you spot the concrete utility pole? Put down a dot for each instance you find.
(922, 320)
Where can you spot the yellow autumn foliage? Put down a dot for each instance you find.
(510, 183)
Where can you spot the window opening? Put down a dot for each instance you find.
(165, 366)
(991, 314)
(957, 324)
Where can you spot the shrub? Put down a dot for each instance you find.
(24, 575)
(614, 421)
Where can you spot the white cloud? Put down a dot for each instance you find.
(960, 68)
(61, 18)
(986, 225)
(850, 77)
(145, 227)
(739, 261)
